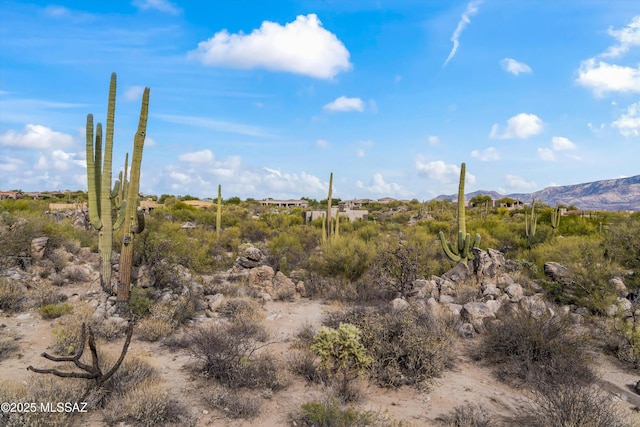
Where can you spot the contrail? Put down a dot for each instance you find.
(472, 9)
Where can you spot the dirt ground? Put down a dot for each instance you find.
(467, 382)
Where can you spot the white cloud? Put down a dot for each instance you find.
(517, 183)
(627, 38)
(180, 177)
(11, 164)
(202, 156)
(603, 78)
(343, 103)
(442, 172)
(547, 154)
(521, 126)
(560, 143)
(36, 137)
(465, 19)
(514, 67)
(160, 5)
(322, 143)
(433, 140)
(360, 152)
(490, 154)
(629, 123)
(133, 93)
(302, 47)
(379, 186)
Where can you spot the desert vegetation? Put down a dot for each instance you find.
(537, 303)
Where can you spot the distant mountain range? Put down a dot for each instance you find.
(621, 194)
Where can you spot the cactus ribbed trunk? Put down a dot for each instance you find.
(219, 212)
(461, 253)
(133, 220)
(329, 205)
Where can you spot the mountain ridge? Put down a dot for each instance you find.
(621, 194)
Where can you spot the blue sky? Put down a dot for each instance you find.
(268, 98)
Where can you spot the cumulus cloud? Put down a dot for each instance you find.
(521, 126)
(302, 47)
(465, 19)
(629, 123)
(360, 152)
(489, 154)
(547, 154)
(626, 37)
(560, 143)
(514, 67)
(603, 77)
(159, 5)
(517, 183)
(322, 143)
(202, 156)
(36, 137)
(379, 186)
(433, 140)
(442, 172)
(343, 103)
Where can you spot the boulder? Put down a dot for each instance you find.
(475, 312)
(618, 285)
(458, 274)
(466, 330)
(251, 257)
(536, 305)
(38, 246)
(283, 287)
(490, 290)
(261, 279)
(556, 271)
(398, 305)
(515, 292)
(487, 265)
(301, 289)
(425, 289)
(214, 301)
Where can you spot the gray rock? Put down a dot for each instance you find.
(466, 330)
(38, 246)
(515, 292)
(555, 271)
(490, 290)
(475, 312)
(399, 304)
(458, 274)
(619, 286)
(214, 301)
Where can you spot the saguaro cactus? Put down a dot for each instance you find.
(219, 213)
(133, 219)
(530, 223)
(99, 185)
(329, 205)
(461, 253)
(555, 219)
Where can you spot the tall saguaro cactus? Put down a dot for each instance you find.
(329, 205)
(219, 212)
(461, 253)
(530, 223)
(555, 219)
(133, 219)
(99, 185)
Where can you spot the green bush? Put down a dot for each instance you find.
(333, 415)
(346, 258)
(12, 294)
(140, 301)
(53, 311)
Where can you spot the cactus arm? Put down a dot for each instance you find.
(447, 249)
(121, 215)
(131, 217)
(466, 246)
(139, 223)
(93, 182)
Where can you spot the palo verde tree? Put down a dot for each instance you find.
(462, 252)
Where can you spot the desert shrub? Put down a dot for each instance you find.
(620, 244)
(41, 388)
(346, 258)
(534, 351)
(290, 248)
(305, 364)
(148, 405)
(140, 301)
(233, 403)
(44, 295)
(12, 294)
(467, 416)
(8, 343)
(407, 347)
(59, 257)
(400, 265)
(55, 311)
(244, 309)
(624, 333)
(571, 405)
(76, 274)
(152, 329)
(228, 354)
(68, 331)
(332, 414)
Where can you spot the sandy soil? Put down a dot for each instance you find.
(467, 382)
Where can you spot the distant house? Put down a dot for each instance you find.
(387, 200)
(200, 204)
(350, 214)
(354, 203)
(149, 205)
(10, 195)
(290, 203)
(67, 206)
